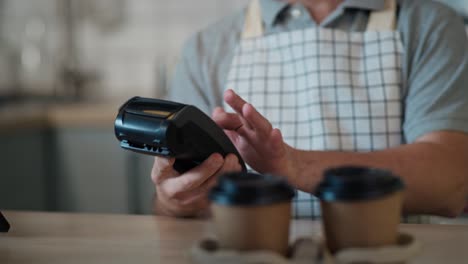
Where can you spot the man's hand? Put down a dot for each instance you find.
(433, 167)
(261, 145)
(187, 194)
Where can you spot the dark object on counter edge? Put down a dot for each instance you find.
(4, 225)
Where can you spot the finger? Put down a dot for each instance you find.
(259, 128)
(231, 164)
(277, 142)
(195, 205)
(201, 192)
(234, 100)
(259, 123)
(194, 177)
(226, 120)
(234, 137)
(241, 143)
(162, 169)
(217, 110)
(236, 103)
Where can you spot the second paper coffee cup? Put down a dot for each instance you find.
(361, 207)
(252, 212)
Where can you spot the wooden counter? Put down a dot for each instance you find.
(88, 238)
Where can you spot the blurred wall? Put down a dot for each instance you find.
(148, 42)
(128, 45)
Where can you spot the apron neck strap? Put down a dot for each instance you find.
(378, 21)
(253, 25)
(384, 19)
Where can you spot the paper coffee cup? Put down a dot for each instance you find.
(252, 212)
(361, 207)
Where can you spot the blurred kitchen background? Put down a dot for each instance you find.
(65, 68)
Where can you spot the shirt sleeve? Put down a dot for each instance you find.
(188, 82)
(437, 85)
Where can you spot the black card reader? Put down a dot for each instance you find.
(169, 129)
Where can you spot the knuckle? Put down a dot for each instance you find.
(232, 159)
(215, 164)
(173, 194)
(269, 127)
(163, 163)
(158, 161)
(186, 183)
(169, 192)
(155, 173)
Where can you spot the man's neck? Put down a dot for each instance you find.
(319, 9)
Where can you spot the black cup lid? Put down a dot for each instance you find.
(243, 188)
(357, 183)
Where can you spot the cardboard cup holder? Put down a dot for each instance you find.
(307, 250)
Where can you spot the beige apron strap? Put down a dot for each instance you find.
(385, 19)
(253, 26)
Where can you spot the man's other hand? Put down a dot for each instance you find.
(185, 195)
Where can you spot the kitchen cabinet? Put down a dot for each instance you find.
(90, 171)
(66, 158)
(23, 178)
(93, 174)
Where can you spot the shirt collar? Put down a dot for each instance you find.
(272, 8)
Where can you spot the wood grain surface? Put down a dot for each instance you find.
(39, 237)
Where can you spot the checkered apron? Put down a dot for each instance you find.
(324, 89)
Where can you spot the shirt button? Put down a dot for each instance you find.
(296, 13)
